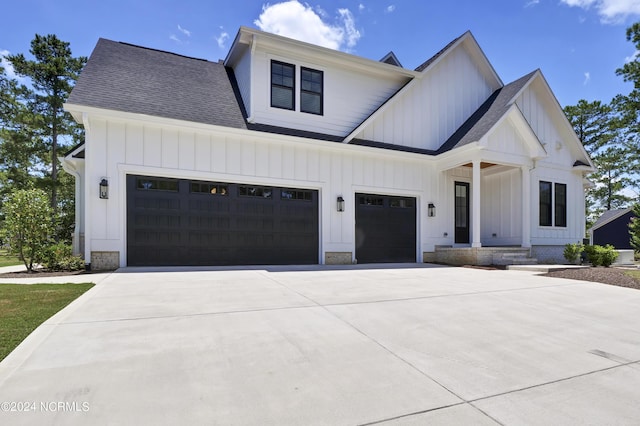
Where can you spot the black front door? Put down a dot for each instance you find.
(461, 213)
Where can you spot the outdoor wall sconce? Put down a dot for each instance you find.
(431, 211)
(340, 203)
(104, 189)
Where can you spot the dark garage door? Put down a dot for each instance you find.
(182, 222)
(385, 229)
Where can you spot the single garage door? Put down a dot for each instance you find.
(185, 222)
(385, 228)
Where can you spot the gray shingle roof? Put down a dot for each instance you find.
(432, 59)
(128, 78)
(485, 117)
(135, 79)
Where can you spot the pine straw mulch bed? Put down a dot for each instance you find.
(612, 276)
(43, 273)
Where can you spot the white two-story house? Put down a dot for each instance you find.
(291, 153)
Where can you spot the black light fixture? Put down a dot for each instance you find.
(431, 210)
(104, 189)
(340, 203)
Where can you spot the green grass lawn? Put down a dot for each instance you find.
(633, 274)
(9, 260)
(23, 307)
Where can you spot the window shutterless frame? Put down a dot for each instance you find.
(311, 91)
(283, 85)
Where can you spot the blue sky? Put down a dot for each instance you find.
(578, 44)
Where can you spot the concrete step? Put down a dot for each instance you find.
(524, 261)
(514, 257)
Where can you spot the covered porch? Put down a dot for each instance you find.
(488, 207)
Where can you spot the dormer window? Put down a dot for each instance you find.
(311, 86)
(283, 83)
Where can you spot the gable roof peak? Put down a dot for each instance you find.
(441, 52)
(473, 50)
(487, 115)
(391, 59)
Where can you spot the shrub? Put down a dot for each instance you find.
(601, 256)
(572, 252)
(609, 254)
(634, 228)
(28, 225)
(59, 257)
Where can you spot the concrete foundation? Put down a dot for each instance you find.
(105, 260)
(338, 258)
(482, 256)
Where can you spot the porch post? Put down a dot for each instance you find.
(475, 215)
(526, 206)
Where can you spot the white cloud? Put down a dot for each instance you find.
(587, 78)
(531, 3)
(4, 63)
(301, 22)
(321, 12)
(184, 31)
(222, 39)
(628, 59)
(390, 8)
(351, 32)
(175, 38)
(610, 11)
(361, 7)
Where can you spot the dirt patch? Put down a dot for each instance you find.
(612, 276)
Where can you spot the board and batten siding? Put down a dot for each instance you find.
(117, 148)
(349, 97)
(557, 167)
(535, 111)
(242, 72)
(554, 235)
(506, 139)
(439, 103)
(501, 208)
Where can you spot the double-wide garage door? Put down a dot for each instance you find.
(385, 228)
(184, 222)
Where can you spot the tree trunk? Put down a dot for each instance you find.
(54, 163)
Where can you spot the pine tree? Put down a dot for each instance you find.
(17, 151)
(628, 106)
(634, 228)
(52, 73)
(600, 132)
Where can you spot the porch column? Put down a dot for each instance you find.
(526, 206)
(475, 214)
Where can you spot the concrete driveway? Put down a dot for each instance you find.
(393, 345)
